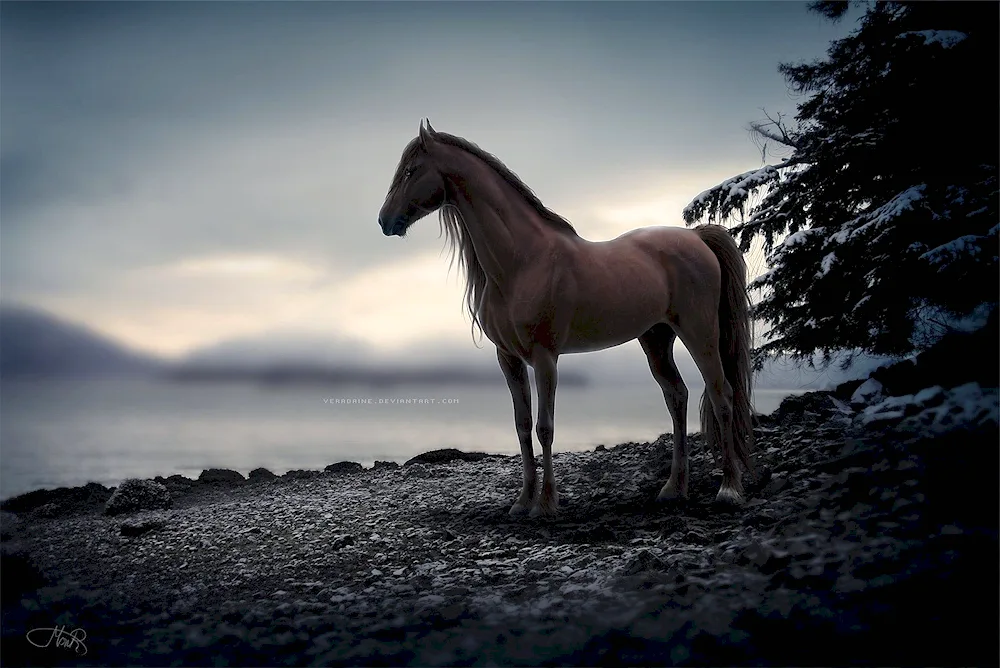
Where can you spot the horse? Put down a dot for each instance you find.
(538, 290)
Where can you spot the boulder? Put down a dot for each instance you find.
(91, 495)
(48, 511)
(418, 470)
(134, 495)
(344, 467)
(262, 475)
(447, 455)
(797, 407)
(133, 528)
(869, 392)
(301, 474)
(221, 477)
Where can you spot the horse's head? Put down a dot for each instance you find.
(417, 188)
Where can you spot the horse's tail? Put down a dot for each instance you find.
(734, 345)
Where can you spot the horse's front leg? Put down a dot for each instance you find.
(544, 364)
(516, 373)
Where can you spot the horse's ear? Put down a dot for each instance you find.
(431, 129)
(426, 136)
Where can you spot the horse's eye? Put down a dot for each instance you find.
(408, 173)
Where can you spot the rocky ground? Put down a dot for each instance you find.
(870, 538)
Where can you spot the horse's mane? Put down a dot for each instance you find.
(510, 177)
(461, 247)
(458, 239)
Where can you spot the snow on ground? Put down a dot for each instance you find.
(936, 410)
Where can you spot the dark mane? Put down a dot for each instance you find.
(510, 177)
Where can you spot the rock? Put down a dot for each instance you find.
(344, 467)
(134, 495)
(795, 408)
(447, 455)
(301, 474)
(385, 466)
(775, 485)
(896, 379)
(696, 538)
(417, 470)
(132, 528)
(869, 392)
(642, 561)
(91, 495)
(20, 574)
(342, 541)
(221, 477)
(262, 475)
(176, 482)
(600, 448)
(9, 525)
(841, 406)
(48, 511)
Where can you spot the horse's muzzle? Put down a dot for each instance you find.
(394, 228)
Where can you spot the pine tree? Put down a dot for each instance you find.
(888, 196)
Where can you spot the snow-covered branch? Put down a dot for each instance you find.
(731, 194)
(968, 245)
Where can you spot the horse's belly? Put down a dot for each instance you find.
(605, 330)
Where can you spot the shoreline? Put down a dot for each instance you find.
(51, 467)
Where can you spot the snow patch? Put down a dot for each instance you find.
(869, 391)
(799, 237)
(946, 38)
(886, 213)
(969, 245)
(938, 411)
(826, 265)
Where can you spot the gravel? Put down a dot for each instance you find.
(869, 538)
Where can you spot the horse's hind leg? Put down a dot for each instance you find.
(658, 344)
(516, 372)
(702, 341)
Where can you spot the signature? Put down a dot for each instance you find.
(62, 638)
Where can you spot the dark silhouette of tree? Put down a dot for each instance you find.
(888, 194)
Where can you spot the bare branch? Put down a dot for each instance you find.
(775, 130)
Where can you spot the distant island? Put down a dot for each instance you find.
(36, 344)
(373, 376)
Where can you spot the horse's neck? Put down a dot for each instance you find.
(505, 231)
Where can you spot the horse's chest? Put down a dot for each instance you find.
(511, 330)
(499, 328)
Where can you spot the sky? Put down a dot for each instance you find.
(179, 175)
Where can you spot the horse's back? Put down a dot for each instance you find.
(678, 251)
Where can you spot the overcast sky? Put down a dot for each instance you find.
(179, 174)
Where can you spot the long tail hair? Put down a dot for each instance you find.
(734, 346)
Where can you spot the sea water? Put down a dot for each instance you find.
(69, 432)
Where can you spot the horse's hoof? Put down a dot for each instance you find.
(728, 497)
(518, 510)
(538, 511)
(670, 495)
(545, 509)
